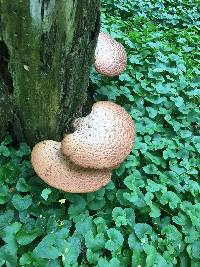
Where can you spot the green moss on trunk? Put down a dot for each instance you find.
(51, 45)
(5, 109)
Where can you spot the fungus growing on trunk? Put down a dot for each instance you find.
(103, 139)
(110, 56)
(84, 160)
(57, 171)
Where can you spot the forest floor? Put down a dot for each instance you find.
(149, 215)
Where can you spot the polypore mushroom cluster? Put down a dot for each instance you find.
(110, 56)
(84, 160)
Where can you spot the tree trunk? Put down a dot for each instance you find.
(46, 51)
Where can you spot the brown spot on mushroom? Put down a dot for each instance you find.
(110, 56)
(57, 171)
(103, 139)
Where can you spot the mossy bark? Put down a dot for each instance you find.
(5, 109)
(50, 51)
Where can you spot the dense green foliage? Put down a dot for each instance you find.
(149, 215)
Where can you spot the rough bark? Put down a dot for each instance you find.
(44, 72)
(5, 109)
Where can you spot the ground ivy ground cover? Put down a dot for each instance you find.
(149, 215)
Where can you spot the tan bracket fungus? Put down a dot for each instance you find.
(110, 56)
(103, 139)
(84, 160)
(57, 171)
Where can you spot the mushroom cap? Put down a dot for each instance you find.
(57, 171)
(110, 56)
(103, 139)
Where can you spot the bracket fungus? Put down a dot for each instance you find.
(110, 56)
(84, 160)
(57, 171)
(103, 139)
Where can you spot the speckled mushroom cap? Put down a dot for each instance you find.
(110, 56)
(103, 139)
(57, 171)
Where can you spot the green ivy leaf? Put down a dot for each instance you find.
(134, 243)
(172, 234)
(94, 243)
(155, 211)
(24, 150)
(100, 224)
(47, 248)
(142, 229)
(178, 101)
(163, 88)
(6, 217)
(21, 203)
(150, 169)
(9, 237)
(151, 255)
(194, 249)
(26, 259)
(72, 251)
(119, 216)
(170, 198)
(22, 185)
(45, 193)
(114, 262)
(115, 241)
(24, 237)
(92, 257)
(8, 257)
(4, 151)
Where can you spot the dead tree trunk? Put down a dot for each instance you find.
(46, 51)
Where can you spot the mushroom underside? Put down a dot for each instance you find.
(57, 171)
